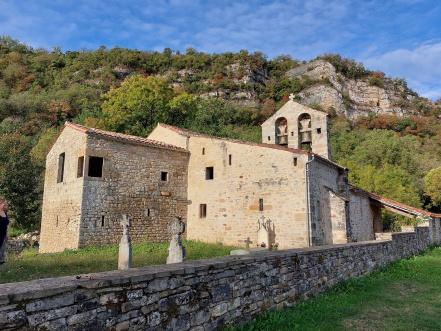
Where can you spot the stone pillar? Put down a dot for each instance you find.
(176, 251)
(125, 245)
(434, 231)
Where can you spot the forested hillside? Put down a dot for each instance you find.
(387, 135)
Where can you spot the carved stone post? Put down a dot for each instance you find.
(125, 245)
(176, 251)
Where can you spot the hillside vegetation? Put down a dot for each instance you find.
(385, 133)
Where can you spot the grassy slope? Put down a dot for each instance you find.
(30, 265)
(404, 296)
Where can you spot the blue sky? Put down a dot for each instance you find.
(399, 37)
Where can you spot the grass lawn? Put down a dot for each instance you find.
(404, 296)
(30, 265)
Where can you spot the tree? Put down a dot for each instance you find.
(137, 105)
(432, 185)
(19, 181)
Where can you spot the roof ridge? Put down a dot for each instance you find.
(115, 135)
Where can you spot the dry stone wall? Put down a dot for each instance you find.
(196, 295)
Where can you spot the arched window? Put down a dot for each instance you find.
(282, 131)
(305, 132)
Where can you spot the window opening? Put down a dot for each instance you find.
(295, 162)
(269, 138)
(319, 130)
(305, 132)
(61, 160)
(102, 220)
(260, 204)
(95, 167)
(282, 131)
(229, 159)
(148, 212)
(203, 151)
(57, 221)
(209, 173)
(202, 210)
(164, 176)
(80, 166)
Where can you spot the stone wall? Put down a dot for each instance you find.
(361, 215)
(195, 295)
(61, 214)
(132, 184)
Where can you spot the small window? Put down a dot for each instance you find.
(80, 167)
(229, 159)
(57, 221)
(295, 161)
(292, 134)
(209, 173)
(164, 176)
(203, 151)
(202, 210)
(95, 167)
(319, 130)
(269, 138)
(102, 220)
(61, 160)
(260, 204)
(148, 212)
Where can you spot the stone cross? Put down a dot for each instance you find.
(291, 97)
(125, 245)
(176, 251)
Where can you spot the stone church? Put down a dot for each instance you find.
(224, 189)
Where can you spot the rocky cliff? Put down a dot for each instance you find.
(356, 97)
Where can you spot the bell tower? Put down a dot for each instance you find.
(299, 127)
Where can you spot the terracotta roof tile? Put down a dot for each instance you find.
(116, 136)
(393, 203)
(189, 133)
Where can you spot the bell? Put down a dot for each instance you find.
(283, 140)
(306, 137)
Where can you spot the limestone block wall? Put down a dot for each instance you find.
(291, 112)
(61, 213)
(195, 295)
(147, 183)
(361, 218)
(160, 133)
(327, 187)
(248, 182)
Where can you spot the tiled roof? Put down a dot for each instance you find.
(116, 136)
(392, 203)
(189, 133)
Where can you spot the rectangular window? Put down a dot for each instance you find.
(202, 210)
(229, 159)
(102, 220)
(319, 130)
(203, 151)
(80, 167)
(95, 167)
(295, 161)
(260, 204)
(61, 160)
(164, 176)
(269, 138)
(209, 173)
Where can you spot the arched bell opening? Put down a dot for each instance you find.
(282, 131)
(305, 132)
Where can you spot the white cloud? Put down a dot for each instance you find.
(420, 66)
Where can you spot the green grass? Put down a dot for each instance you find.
(404, 296)
(31, 265)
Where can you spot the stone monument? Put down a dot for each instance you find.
(125, 245)
(176, 251)
(263, 233)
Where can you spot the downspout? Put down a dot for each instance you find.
(308, 209)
